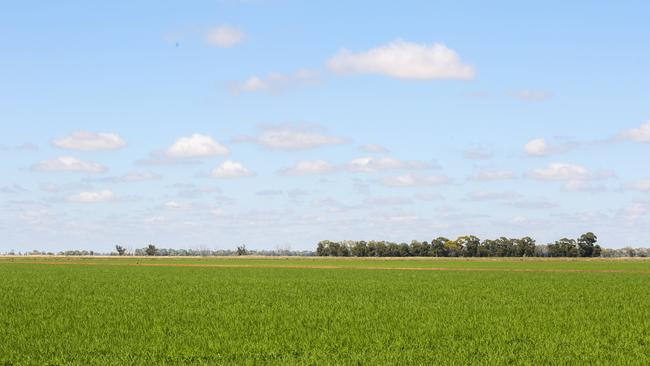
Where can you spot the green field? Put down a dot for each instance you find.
(323, 311)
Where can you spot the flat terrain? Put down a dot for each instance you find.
(323, 311)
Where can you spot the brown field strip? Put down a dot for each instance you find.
(331, 267)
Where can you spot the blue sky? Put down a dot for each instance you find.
(282, 123)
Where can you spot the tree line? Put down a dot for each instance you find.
(153, 251)
(464, 246)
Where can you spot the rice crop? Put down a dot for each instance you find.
(252, 311)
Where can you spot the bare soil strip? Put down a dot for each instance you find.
(235, 266)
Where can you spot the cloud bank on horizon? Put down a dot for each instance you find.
(291, 127)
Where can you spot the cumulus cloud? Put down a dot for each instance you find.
(292, 137)
(372, 164)
(488, 175)
(90, 141)
(231, 169)
(196, 146)
(577, 177)
(540, 147)
(276, 82)
(92, 197)
(312, 167)
(561, 171)
(415, 180)
(404, 60)
(640, 134)
(225, 36)
(68, 164)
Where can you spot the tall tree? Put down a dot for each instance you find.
(120, 250)
(151, 250)
(360, 249)
(525, 247)
(438, 247)
(471, 245)
(586, 244)
(454, 248)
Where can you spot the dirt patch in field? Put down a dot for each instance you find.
(331, 267)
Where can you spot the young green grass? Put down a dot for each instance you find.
(114, 311)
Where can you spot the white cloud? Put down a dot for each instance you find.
(532, 95)
(68, 164)
(92, 197)
(309, 168)
(561, 171)
(640, 134)
(372, 164)
(196, 146)
(536, 147)
(639, 185)
(540, 147)
(577, 178)
(488, 175)
(231, 169)
(90, 141)
(414, 180)
(225, 36)
(292, 137)
(276, 82)
(374, 148)
(404, 60)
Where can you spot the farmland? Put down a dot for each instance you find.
(323, 311)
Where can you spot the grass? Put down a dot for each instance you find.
(118, 311)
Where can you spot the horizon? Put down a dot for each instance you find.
(281, 124)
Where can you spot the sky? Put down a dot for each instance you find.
(280, 123)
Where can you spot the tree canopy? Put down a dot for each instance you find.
(464, 246)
